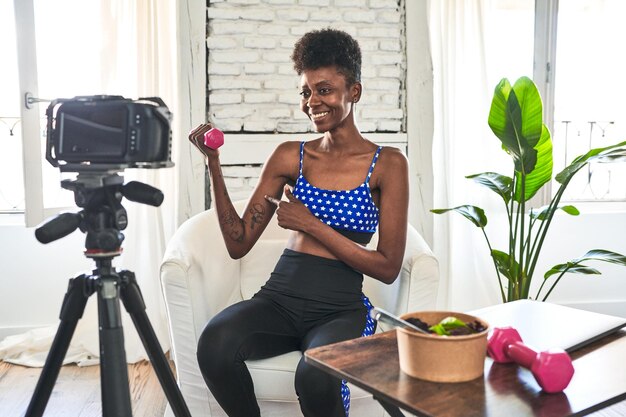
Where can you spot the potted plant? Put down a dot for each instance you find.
(516, 118)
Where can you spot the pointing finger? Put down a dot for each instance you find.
(289, 194)
(272, 200)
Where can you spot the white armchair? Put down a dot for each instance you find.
(199, 280)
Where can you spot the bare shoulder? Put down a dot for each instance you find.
(392, 159)
(284, 160)
(392, 168)
(285, 149)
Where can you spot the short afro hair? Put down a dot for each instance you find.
(325, 48)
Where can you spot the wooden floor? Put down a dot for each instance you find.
(77, 392)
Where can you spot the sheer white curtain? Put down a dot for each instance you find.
(139, 59)
(462, 146)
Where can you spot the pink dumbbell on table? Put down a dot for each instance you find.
(552, 369)
(214, 138)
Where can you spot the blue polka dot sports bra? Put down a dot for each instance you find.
(351, 212)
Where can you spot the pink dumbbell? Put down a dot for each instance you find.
(552, 369)
(214, 138)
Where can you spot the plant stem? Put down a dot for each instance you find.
(542, 227)
(540, 288)
(542, 235)
(513, 239)
(520, 277)
(495, 265)
(553, 285)
(531, 224)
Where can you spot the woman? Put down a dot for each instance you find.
(339, 188)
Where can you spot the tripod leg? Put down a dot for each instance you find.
(133, 302)
(113, 367)
(71, 311)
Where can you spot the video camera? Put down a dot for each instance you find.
(104, 133)
(97, 137)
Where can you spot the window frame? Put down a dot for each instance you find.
(544, 66)
(34, 212)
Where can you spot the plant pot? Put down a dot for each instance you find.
(442, 358)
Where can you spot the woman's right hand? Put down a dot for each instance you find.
(196, 137)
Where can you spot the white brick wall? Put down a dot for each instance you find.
(252, 86)
(240, 180)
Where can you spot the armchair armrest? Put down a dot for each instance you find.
(198, 279)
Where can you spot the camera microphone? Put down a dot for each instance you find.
(61, 226)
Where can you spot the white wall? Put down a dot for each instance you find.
(571, 237)
(34, 277)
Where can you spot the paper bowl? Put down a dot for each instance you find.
(442, 358)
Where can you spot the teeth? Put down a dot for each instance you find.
(318, 115)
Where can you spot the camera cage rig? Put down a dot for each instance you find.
(160, 110)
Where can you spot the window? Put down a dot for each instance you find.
(68, 62)
(578, 71)
(589, 107)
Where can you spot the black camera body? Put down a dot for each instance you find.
(98, 133)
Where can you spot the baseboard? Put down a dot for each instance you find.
(612, 308)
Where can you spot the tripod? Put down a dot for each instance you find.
(102, 219)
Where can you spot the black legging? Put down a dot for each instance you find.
(273, 323)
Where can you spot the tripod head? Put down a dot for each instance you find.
(103, 217)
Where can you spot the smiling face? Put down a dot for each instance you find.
(327, 99)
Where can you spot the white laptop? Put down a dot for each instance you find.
(545, 325)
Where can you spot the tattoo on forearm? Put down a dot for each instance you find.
(236, 235)
(258, 215)
(227, 218)
(235, 226)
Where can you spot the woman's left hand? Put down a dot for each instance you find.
(291, 214)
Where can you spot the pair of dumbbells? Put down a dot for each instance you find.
(552, 369)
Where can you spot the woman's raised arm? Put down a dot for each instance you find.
(240, 233)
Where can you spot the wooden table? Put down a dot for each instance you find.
(506, 390)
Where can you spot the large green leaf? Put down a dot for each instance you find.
(542, 212)
(499, 184)
(614, 155)
(611, 153)
(508, 267)
(498, 120)
(575, 266)
(532, 110)
(474, 214)
(515, 118)
(604, 256)
(572, 268)
(542, 173)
